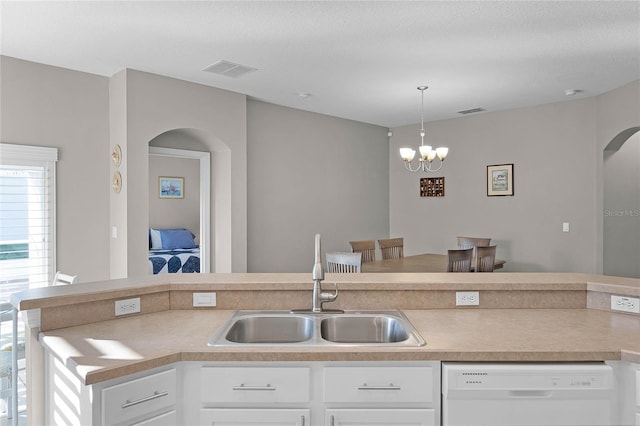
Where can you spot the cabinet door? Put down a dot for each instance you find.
(166, 419)
(254, 417)
(390, 417)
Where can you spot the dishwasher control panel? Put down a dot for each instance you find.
(529, 376)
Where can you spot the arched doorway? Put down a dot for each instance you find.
(621, 189)
(215, 209)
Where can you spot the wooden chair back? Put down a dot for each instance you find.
(485, 258)
(392, 248)
(472, 242)
(459, 260)
(343, 263)
(366, 247)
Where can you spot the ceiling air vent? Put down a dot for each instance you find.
(471, 111)
(229, 69)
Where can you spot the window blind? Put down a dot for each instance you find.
(27, 217)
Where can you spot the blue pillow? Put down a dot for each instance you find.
(177, 239)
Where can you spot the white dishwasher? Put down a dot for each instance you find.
(532, 394)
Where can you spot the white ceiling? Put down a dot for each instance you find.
(360, 60)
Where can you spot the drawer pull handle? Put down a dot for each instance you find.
(155, 395)
(380, 388)
(244, 387)
(303, 420)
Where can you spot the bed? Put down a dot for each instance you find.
(173, 251)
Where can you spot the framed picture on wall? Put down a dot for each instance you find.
(170, 187)
(499, 180)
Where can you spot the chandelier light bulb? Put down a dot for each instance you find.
(407, 154)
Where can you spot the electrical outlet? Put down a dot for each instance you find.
(625, 304)
(467, 298)
(127, 306)
(204, 299)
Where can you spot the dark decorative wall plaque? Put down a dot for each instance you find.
(432, 187)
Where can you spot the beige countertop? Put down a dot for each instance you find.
(109, 349)
(521, 317)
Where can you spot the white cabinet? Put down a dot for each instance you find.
(354, 384)
(379, 394)
(254, 384)
(389, 417)
(149, 398)
(254, 395)
(626, 404)
(311, 393)
(166, 419)
(254, 417)
(637, 366)
(139, 399)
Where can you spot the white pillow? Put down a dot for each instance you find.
(156, 240)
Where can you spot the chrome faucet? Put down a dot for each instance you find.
(319, 296)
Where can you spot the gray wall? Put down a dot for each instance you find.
(48, 106)
(310, 173)
(557, 153)
(175, 212)
(285, 184)
(622, 210)
(618, 113)
(153, 105)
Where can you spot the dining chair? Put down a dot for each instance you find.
(366, 247)
(472, 242)
(392, 248)
(485, 258)
(459, 260)
(64, 279)
(343, 263)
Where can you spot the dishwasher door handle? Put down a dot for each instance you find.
(530, 393)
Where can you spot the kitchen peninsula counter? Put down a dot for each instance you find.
(521, 317)
(111, 349)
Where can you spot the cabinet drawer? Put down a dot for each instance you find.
(255, 384)
(138, 397)
(166, 419)
(378, 384)
(255, 417)
(390, 417)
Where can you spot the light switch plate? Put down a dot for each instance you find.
(204, 299)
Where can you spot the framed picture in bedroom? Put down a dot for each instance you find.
(500, 180)
(170, 187)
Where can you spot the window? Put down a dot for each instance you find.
(27, 217)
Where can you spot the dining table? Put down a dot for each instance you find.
(426, 262)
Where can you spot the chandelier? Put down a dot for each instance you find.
(427, 153)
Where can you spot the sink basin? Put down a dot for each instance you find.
(271, 329)
(363, 329)
(287, 328)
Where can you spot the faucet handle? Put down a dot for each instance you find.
(329, 297)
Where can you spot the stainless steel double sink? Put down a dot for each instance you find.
(290, 328)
